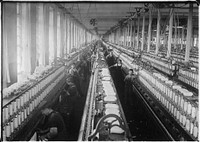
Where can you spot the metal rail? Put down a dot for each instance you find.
(86, 108)
(153, 113)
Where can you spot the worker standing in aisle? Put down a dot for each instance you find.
(53, 126)
(118, 65)
(128, 87)
(110, 59)
(84, 69)
(76, 78)
(93, 57)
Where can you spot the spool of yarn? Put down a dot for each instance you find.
(110, 99)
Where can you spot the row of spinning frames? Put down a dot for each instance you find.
(110, 123)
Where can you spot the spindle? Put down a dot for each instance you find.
(8, 130)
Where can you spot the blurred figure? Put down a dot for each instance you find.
(128, 87)
(84, 69)
(93, 57)
(73, 70)
(75, 78)
(52, 126)
(70, 88)
(118, 65)
(110, 59)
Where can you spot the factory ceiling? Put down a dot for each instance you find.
(101, 17)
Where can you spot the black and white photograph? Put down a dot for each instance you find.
(99, 70)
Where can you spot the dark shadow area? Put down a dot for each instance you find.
(71, 108)
(140, 121)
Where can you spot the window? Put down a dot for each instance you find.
(64, 32)
(68, 35)
(58, 35)
(23, 41)
(40, 50)
(19, 39)
(51, 36)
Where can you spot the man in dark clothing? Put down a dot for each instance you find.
(70, 88)
(128, 87)
(76, 78)
(88, 61)
(110, 59)
(93, 57)
(118, 65)
(53, 126)
(83, 69)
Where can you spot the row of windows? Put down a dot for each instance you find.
(43, 33)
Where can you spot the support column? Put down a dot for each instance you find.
(189, 34)
(138, 31)
(67, 34)
(74, 32)
(71, 35)
(75, 35)
(165, 40)
(143, 29)
(127, 35)
(170, 33)
(178, 39)
(149, 31)
(182, 38)
(124, 29)
(55, 32)
(110, 39)
(134, 22)
(85, 37)
(117, 37)
(113, 36)
(63, 35)
(124, 36)
(131, 32)
(82, 36)
(158, 33)
(121, 35)
(175, 36)
(78, 37)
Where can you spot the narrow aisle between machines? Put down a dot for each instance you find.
(140, 121)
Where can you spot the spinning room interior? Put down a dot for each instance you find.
(99, 70)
